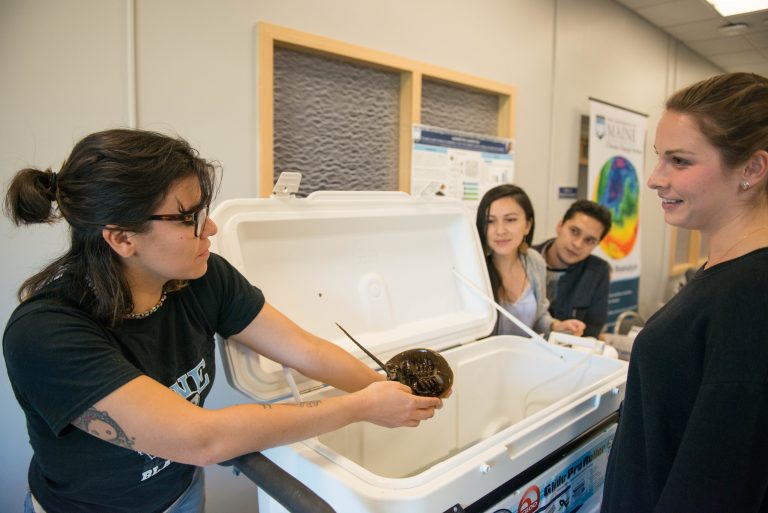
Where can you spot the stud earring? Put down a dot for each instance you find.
(744, 185)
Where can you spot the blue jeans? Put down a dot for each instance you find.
(191, 501)
(193, 498)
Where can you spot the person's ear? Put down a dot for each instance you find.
(120, 241)
(756, 170)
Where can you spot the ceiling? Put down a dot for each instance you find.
(697, 24)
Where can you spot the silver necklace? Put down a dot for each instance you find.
(721, 258)
(149, 312)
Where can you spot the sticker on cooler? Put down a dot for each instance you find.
(530, 501)
(573, 485)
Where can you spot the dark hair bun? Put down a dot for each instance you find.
(30, 197)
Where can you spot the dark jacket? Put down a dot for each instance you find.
(582, 292)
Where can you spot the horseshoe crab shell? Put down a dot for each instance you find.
(425, 371)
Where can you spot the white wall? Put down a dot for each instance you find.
(604, 51)
(61, 76)
(64, 73)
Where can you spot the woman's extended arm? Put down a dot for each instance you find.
(144, 415)
(275, 336)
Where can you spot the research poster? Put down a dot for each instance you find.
(616, 159)
(459, 165)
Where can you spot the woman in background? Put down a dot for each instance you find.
(692, 431)
(111, 351)
(518, 274)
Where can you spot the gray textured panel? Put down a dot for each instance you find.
(336, 122)
(456, 108)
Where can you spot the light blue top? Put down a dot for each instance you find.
(536, 272)
(524, 309)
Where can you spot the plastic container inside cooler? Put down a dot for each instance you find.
(502, 385)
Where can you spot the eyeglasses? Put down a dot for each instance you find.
(197, 219)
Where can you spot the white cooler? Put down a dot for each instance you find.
(391, 269)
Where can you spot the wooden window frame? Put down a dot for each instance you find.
(411, 75)
(695, 258)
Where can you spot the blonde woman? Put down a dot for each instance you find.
(692, 431)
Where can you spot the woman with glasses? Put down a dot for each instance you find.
(111, 351)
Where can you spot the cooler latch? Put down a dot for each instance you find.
(455, 509)
(287, 184)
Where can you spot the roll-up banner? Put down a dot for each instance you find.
(616, 159)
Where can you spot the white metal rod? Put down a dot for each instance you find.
(292, 384)
(520, 324)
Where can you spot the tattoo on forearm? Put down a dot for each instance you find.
(303, 404)
(101, 425)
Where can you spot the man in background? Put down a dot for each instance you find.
(577, 281)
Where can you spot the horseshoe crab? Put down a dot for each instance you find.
(425, 371)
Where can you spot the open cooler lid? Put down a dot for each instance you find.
(381, 264)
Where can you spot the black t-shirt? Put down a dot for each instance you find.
(60, 362)
(692, 433)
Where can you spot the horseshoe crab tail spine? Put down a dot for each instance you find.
(363, 348)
